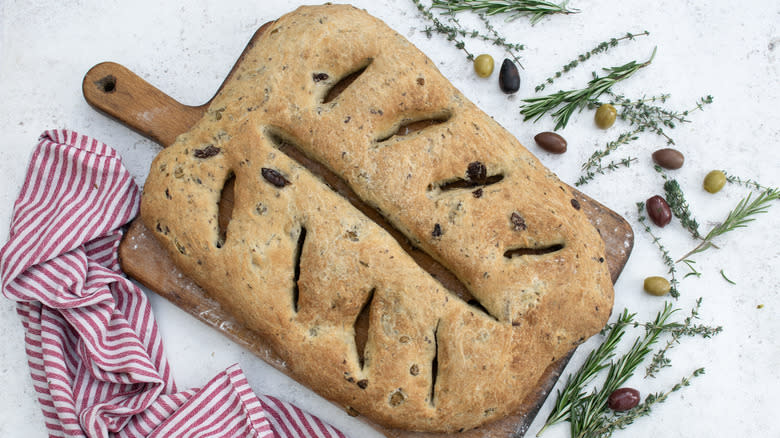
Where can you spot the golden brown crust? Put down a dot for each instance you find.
(536, 306)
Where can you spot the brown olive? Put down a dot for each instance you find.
(551, 142)
(509, 77)
(623, 399)
(659, 211)
(605, 116)
(483, 65)
(714, 181)
(668, 158)
(657, 286)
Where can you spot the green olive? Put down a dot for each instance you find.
(657, 286)
(714, 181)
(483, 65)
(605, 116)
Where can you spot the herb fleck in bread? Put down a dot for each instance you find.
(304, 267)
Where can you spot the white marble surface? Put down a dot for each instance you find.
(718, 47)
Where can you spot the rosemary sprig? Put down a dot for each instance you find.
(534, 9)
(621, 421)
(569, 101)
(739, 217)
(665, 256)
(588, 416)
(574, 389)
(600, 48)
(687, 328)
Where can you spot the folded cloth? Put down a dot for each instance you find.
(95, 354)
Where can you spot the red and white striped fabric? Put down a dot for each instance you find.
(95, 355)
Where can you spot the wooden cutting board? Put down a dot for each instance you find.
(124, 96)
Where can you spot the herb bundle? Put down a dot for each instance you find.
(588, 413)
(534, 9)
(563, 104)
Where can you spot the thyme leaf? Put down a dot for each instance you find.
(563, 104)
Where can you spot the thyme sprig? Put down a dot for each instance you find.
(456, 33)
(665, 255)
(563, 104)
(597, 360)
(591, 167)
(739, 217)
(510, 48)
(619, 421)
(534, 9)
(686, 328)
(601, 47)
(746, 182)
(654, 118)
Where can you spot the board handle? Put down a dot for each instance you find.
(116, 91)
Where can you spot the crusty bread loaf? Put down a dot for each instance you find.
(299, 264)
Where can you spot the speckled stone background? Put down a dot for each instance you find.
(718, 47)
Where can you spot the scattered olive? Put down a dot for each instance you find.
(658, 210)
(483, 65)
(623, 399)
(714, 181)
(551, 142)
(605, 116)
(657, 286)
(508, 77)
(668, 158)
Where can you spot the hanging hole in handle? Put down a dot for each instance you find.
(107, 84)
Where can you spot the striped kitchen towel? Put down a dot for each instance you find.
(94, 351)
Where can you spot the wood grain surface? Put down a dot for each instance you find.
(121, 94)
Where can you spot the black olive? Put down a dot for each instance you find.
(509, 77)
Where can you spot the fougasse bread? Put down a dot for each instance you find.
(301, 263)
